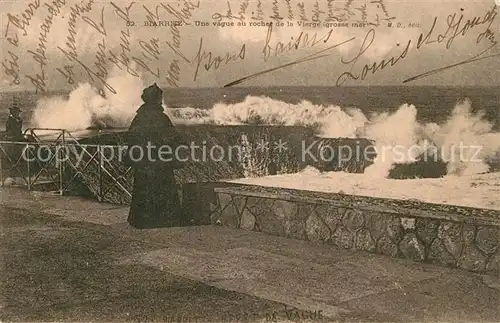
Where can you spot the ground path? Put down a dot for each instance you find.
(69, 259)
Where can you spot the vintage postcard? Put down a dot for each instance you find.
(250, 160)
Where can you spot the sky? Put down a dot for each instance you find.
(54, 45)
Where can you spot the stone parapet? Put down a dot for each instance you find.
(461, 237)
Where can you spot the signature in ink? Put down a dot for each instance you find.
(213, 61)
(24, 21)
(276, 12)
(453, 25)
(332, 12)
(99, 63)
(12, 69)
(454, 30)
(68, 73)
(76, 12)
(228, 15)
(316, 12)
(363, 13)
(184, 15)
(302, 41)
(173, 73)
(371, 67)
(320, 54)
(381, 5)
(150, 48)
(302, 12)
(259, 14)
(100, 26)
(174, 68)
(458, 29)
(290, 10)
(39, 55)
(122, 59)
(347, 12)
(101, 55)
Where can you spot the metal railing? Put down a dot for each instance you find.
(57, 159)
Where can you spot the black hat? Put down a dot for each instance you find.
(15, 107)
(15, 104)
(152, 94)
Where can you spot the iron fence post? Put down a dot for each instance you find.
(99, 153)
(1, 166)
(28, 166)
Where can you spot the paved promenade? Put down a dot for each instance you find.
(70, 259)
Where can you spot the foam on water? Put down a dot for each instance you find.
(479, 191)
(86, 106)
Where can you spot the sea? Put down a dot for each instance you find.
(388, 115)
(433, 104)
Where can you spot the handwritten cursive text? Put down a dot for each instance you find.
(370, 67)
(302, 41)
(214, 61)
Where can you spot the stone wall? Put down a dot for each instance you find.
(461, 237)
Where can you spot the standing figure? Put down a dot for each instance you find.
(12, 163)
(155, 200)
(14, 125)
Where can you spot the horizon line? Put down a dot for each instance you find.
(268, 86)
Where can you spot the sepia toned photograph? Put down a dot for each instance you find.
(250, 161)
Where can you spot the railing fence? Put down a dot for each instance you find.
(55, 158)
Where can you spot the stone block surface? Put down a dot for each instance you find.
(316, 229)
(247, 220)
(462, 244)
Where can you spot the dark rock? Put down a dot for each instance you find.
(316, 229)
(343, 238)
(247, 220)
(239, 202)
(328, 154)
(494, 264)
(468, 234)
(224, 200)
(487, 239)
(408, 223)
(364, 241)
(353, 220)
(430, 168)
(331, 215)
(438, 253)
(229, 215)
(395, 229)
(412, 248)
(385, 246)
(427, 230)
(295, 223)
(274, 222)
(378, 225)
(472, 259)
(272, 168)
(450, 235)
(260, 208)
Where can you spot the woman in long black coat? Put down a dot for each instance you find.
(155, 200)
(14, 133)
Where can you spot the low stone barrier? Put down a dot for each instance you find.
(462, 237)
